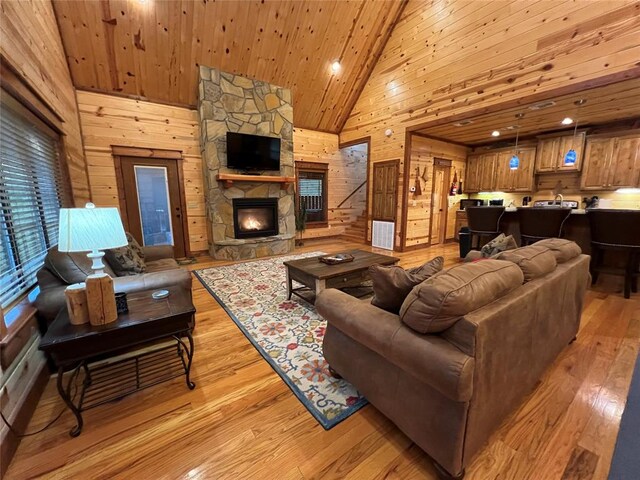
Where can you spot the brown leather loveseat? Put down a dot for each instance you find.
(63, 269)
(468, 345)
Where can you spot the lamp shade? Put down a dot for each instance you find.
(90, 228)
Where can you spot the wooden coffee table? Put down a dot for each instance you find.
(317, 276)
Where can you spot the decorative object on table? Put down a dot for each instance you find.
(92, 230)
(159, 294)
(336, 259)
(76, 296)
(301, 220)
(121, 303)
(453, 191)
(287, 333)
(418, 186)
(101, 299)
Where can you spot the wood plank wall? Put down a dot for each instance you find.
(347, 170)
(450, 58)
(31, 45)
(108, 120)
(423, 152)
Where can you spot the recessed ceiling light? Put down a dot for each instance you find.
(567, 121)
(335, 66)
(462, 123)
(495, 133)
(541, 105)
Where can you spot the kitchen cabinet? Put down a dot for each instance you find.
(552, 150)
(472, 180)
(611, 163)
(480, 172)
(520, 179)
(625, 162)
(487, 178)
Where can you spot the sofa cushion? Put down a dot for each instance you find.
(564, 250)
(392, 284)
(534, 261)
(162, 265)
(439, 302)
(70, 267)
(126, 260)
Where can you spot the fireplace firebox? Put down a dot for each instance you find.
(255, 217)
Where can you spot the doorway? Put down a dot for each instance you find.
(439, 200)
(385, 186)
(151, 202)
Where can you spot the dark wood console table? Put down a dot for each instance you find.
(85, 349)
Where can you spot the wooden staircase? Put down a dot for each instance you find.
(355, 230)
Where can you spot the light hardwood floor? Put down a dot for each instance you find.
(242, 422)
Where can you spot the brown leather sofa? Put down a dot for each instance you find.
(469, 344)
(63, 269)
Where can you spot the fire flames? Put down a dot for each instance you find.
(252, 224)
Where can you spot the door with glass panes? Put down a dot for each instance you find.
(152, 198)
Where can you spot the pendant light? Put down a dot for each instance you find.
(514, 162)
(571, 157)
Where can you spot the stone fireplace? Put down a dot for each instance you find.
(255, 217)
(229, 102)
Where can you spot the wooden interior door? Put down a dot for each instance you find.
(151, 196)
(385, 187)
(439, 202)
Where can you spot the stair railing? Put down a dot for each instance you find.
(351, 194)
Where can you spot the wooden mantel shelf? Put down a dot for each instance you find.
(229, 178)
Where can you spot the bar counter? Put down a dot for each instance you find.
(576, 227)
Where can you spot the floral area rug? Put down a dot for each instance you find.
(287, 333)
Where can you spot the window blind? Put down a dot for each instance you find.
(32, 190)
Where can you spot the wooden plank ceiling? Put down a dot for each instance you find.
(151, 49)
(609, 103)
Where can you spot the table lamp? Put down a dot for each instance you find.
(92, 230)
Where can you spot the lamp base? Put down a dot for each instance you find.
(96, 258)
(101, 299)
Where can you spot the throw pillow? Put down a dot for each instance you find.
(498, 244)
(133, 243)
(126, 260)
(391, 285)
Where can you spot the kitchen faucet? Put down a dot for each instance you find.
(556, 198)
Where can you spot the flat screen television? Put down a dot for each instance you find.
(252, 152)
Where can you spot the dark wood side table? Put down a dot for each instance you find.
(317, 276)
(86, 348)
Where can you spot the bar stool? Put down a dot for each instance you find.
(539, 223)
(483, 222)
(617, 230)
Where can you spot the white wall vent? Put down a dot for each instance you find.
(383, 235)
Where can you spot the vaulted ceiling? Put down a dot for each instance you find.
(152, 49)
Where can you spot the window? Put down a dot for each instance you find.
(31, 194)
(312, 191)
